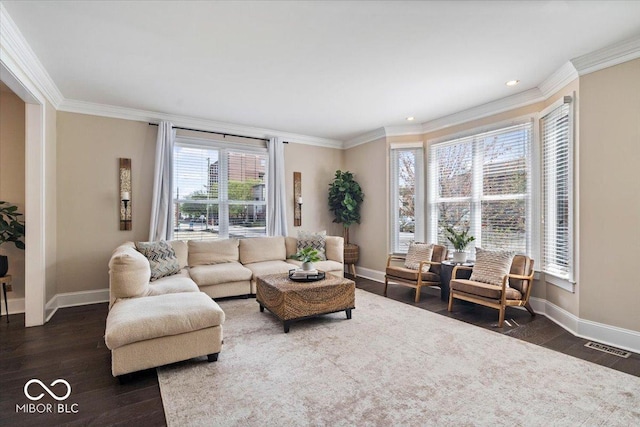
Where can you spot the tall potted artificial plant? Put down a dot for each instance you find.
(459, 240)
(345, 198)
(11, 230)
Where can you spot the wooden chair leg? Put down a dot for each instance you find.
(417, 293)
(501, 320)
(386, 284)
(450, 307)
(529, 309)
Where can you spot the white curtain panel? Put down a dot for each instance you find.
(162, 206)
(276, 194)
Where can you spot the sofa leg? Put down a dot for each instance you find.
(125, 378)
(213, 357)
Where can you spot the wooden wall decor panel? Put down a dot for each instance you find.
(297, 196)
(126, 207)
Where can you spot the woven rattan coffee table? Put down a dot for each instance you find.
(290, 301)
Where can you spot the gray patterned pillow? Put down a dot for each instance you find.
(314, 240)
(162, 258)
(491, 266)
(418, 252)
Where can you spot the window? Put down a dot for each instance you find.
(557, 185)
(220, 191)
(482, 183)
(407, 177)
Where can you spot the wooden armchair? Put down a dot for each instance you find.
(516, 293)
(413, 278)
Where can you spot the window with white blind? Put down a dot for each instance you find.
(557, 187)
(482, 183)
(220, 191)
(407, 195)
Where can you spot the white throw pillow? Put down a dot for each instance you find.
(491, 266)
(418, 252)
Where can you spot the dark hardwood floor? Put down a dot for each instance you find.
(71, 347)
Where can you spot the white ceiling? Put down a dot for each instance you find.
(325, 69)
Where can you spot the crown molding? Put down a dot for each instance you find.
(403, 130)
(556, 81)
(512, 102)
(14, 48)
(112, 111)
(609, 56)
(365, 137)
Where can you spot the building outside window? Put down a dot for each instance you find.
(219, 191)
(482, 183)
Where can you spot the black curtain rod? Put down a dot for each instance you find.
(218, 133)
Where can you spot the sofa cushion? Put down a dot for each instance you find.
(418, 252)
(180, 282)
(316, 241)
(139, 319)
(269, 267)
(262, 249)
(491, 266)
(411, 274)
(129, 272)
(162, 258)
(182, 252)
(206, 275)
(327, 265)
(335, 248)
(209, 252)
(483, 289)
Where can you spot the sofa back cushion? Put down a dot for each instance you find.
(212, 251)
(334, 246)
(129, 273)
(182, 252)
(259, 249)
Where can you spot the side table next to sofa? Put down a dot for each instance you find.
(446, 268)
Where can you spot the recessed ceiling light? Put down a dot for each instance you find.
(512, 82)
(410, 119)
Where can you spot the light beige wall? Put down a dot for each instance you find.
(610, 195)
(12, 176)
(369, 164)
(88, 197)
(50, 202)
(318, 166)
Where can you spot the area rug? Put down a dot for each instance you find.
(391, 364)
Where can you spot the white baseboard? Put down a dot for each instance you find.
(612, 335)
(72, 299)
(618, 337)
(16, 306)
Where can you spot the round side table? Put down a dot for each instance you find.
(446, 269)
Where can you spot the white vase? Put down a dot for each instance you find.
(459, 256)
(306, 266)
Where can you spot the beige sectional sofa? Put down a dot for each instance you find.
(153, 323)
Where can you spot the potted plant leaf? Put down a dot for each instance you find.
(459, 240)
(308, 256)
(11, 231)
(345, 198)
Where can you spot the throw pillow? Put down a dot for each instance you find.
(418, 252)
(314, 240)
(162, 258)
(491, 266)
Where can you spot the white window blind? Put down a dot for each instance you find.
(219, 192)
(557, 187)
(407, 197)
(482, 183)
